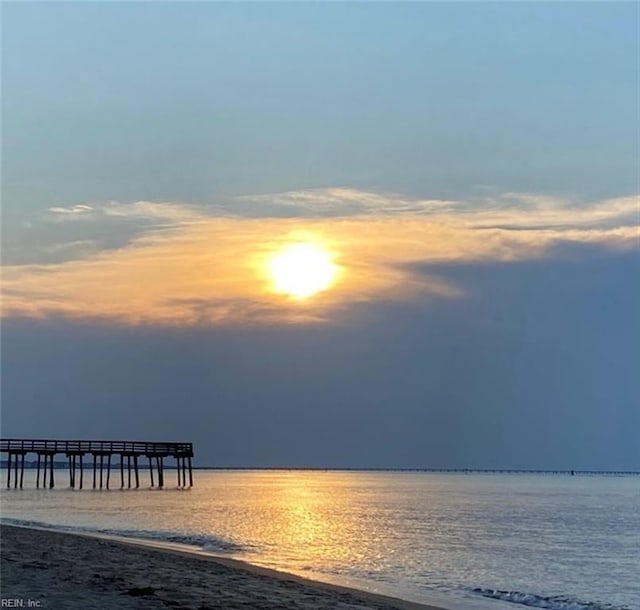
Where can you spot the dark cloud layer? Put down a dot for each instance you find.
(537, 367)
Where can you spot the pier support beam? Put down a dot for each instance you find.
(15, 460)
(135, 467)
(74, 458)
(51, 465)
(71, 460)
(44, 472)
(160, 472)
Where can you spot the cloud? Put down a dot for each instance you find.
(150, 211)
(72, 212)
(343, 202)
(189, 265)
(509, 209)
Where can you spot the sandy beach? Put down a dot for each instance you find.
(47, 569)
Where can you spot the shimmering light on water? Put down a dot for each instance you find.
(408, 534)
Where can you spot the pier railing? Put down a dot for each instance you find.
(114, 447)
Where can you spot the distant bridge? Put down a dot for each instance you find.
(100, 452)
(595, 473)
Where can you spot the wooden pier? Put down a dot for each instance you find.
(101, 453)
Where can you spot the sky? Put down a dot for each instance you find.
(399, 235)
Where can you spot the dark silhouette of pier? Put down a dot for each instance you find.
(101, 453)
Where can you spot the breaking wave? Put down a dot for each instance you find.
(551, 602)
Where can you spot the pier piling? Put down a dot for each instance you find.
(160, 472)
(51, 481)
(21, 469)
(135, 467)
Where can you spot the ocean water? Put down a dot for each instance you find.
(458, 540)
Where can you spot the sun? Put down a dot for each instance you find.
(302, 270)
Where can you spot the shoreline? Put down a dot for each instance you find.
(57, 568)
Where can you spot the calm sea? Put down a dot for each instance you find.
(459, 540)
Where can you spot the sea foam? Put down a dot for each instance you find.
(551, 602)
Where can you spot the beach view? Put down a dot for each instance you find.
(320, 306)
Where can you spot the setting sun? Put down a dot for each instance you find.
(302, 270)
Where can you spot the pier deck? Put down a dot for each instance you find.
(101, 451)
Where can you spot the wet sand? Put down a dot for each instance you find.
(46, 569)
